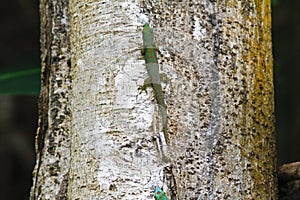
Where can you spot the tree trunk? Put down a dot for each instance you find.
(99, 137)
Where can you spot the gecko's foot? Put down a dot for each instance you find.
(143, 51)
(147, 83)
(142, 88)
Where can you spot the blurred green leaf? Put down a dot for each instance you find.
(20, 82)
(275, 2)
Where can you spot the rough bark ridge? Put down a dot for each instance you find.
(52, 140)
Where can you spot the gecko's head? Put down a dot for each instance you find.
(146, 29)
(146, 25)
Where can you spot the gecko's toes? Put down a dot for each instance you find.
(142, 89)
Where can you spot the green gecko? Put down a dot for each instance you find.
(155, 77)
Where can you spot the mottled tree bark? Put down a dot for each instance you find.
(50, 175)
(217, 55)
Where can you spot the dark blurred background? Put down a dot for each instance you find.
(19, 50)
(286, 52)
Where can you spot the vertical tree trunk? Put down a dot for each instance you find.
(217, 55)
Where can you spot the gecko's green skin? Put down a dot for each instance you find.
(159, 194)
(154, 79)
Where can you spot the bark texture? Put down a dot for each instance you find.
(217, 55)
(50, 175)
(221, 107)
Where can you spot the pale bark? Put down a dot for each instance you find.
(217, 55)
